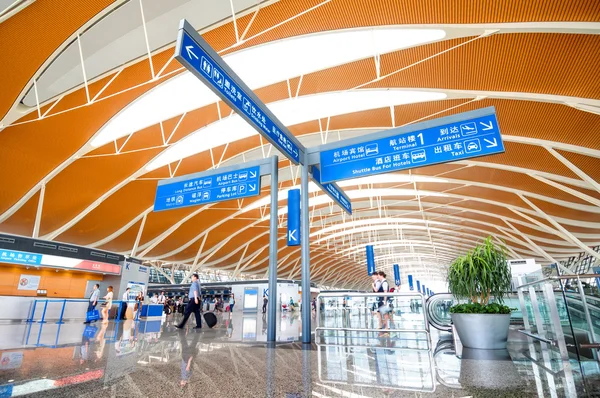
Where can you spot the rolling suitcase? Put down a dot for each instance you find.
(210, 319)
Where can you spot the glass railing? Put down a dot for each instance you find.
(357, 317)
(565, 322)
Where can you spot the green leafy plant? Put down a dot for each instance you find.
(477, 308)
(480, 274)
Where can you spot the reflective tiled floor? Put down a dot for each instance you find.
(153, 359)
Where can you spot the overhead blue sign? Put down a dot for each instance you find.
(333, 191)
(198, 189)
(16, 257)
(397, 274)
(410, 282)
(370, 260)
(196, 55)
(423, 289)
(419, 286)
(468, 138)
(293, 224)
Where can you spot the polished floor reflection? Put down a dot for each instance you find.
(153, 358)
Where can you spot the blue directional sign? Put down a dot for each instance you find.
(293, 224)
(397, 280)
(370, 260)
(198, 189)
(463, 139)
(333, 191)
(419, 286)
(17, 257)
(197, 56)
(410, 283)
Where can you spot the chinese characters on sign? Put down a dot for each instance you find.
(211, 71)
(196, 190)
(333, 191)
(446, 143)
(15, 257)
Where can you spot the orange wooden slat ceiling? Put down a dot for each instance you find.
(31, 36)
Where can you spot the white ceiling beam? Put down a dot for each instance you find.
(568, 190)
(593, 183)
(572, 237)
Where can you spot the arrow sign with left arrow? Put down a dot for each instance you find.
(193, 52)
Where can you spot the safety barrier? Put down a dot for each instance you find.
(60, 319)
(407, 313)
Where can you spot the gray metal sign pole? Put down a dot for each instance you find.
(305, 251)
(273, 246)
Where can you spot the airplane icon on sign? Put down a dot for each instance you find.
(468, 129)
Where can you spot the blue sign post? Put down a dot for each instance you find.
(370, 260)
(424, 289)
(193, 52)
(397, 279)
(419, 286)
(447, 140)
(410, 282)
(201, 188)
(333, 191)
(293, 224)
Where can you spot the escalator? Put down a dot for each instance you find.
(571, 310)
(438, 310)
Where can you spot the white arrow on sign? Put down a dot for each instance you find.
(253, 174)
(292, 235)
(190, 52)
(492, 143)
(252, 187)
(487, 126)
(295, 152)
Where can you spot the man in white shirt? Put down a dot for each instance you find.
(125, 298)
(154, 299)
(93, 299)
(162, 299)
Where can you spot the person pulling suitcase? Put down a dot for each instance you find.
(193, 305)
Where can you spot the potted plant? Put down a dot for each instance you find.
(480, 274)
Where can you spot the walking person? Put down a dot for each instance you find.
(125, 298)
(383, 307)
(139, 302)
(265, 302)
(107, 304)
(93, 299)
(193, 305)
(231, 302)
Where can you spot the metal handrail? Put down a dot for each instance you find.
(64, 302)
(555, 278)
(351, 294)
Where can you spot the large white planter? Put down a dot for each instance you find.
(482, 331)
